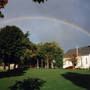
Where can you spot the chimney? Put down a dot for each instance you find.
(77, 51)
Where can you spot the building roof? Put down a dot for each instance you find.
(82, 51)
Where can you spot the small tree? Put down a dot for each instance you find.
(74, 59)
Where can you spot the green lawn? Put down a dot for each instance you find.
(55, 79)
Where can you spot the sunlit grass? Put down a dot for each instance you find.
(53, 77)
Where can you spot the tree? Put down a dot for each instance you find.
(54, 52)
(30, 53)
(40, 55)
(49, 52)
(73, 59)
(58, 56)
(13, 44)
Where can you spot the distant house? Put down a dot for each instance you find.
(81, 55)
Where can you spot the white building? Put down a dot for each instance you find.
(81, 55)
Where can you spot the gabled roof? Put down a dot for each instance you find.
(81, 52)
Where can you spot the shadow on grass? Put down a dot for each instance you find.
(15, 72)
(81, 80)
(28, 84)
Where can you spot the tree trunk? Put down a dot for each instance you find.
(47, 64)
(37, 63)
(52, 66)
(14, 67)
(42, 63)
(8, 66)
(4, 66)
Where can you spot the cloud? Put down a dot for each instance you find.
(74, 11)
(45, 29)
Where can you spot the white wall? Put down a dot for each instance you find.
(66, 62)
(83, 62)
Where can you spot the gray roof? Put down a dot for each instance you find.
(81, 52)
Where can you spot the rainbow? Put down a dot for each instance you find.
(44, 18)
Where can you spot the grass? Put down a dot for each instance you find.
(55, 79)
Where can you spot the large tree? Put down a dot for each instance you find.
(13, 44)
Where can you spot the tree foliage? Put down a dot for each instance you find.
(51, 51)
(40, 1)
(13, 44)
(16, 47)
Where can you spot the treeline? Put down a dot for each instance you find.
(17, 49)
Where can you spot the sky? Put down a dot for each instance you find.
(65, 21)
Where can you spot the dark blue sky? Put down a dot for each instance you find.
(55, 20)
